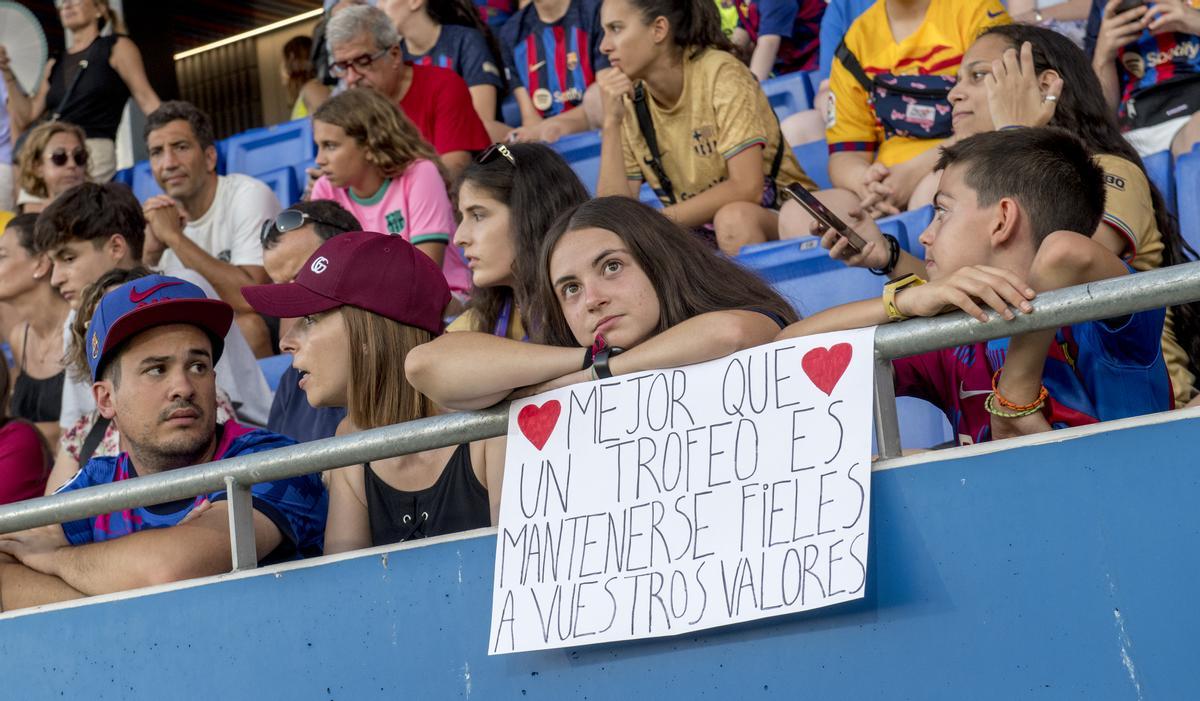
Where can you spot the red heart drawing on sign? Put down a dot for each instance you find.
(825, 366)
(538, 422)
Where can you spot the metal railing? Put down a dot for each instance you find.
(1099, 300)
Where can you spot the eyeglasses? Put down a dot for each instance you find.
(288, 220)
(63, 3)
(494, 151)
(339, 69)
(80, 155)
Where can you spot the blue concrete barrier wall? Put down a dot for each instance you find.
(1051, 571)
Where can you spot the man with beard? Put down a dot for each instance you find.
(152, 345)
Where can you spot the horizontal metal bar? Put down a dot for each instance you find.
(303, 459)
(1105, 299)
(1098, 300)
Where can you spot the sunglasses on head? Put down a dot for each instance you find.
(287, 220)
(60, 157)
(496, 151)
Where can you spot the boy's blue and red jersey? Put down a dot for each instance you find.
(465, 51)
(297, 506)
(555, 62)
(797, 22)
(1094, 372)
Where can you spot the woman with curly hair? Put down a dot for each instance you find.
(53, 159)
(375, 164)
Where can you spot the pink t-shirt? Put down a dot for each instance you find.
(415, 206)
(22, 463)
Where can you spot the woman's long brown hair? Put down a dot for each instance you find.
(689, 278)
(380, 394)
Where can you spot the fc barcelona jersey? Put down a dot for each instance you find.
(554, 62)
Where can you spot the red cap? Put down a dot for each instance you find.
(376, 272)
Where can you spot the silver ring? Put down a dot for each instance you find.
(1050, 98)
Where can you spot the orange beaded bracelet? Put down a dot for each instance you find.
(1043, 395)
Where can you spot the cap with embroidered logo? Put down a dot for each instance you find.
(154, 300)
(380, 273)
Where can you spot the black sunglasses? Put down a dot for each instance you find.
(59, 157)
(496, 151)
(285, 221)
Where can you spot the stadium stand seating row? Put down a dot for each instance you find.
(799, 268)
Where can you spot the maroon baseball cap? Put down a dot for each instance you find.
(376, 272)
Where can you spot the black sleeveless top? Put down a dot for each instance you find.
(36, 400)
(456, 502)
(100, 95)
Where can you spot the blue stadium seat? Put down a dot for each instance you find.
(814, 159)
(282, 181)
(922, 425)
(143, 183)
(788, 94)
(1187, 179)
(582, 152)
(646, 196)
(8, 356)
(802, 271)
(912, 223)
(510, 111)
(1159, 168)
(262, 150)
(274, 367)
(124, 176)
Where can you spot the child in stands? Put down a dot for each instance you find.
(1006, 229)
(888, 107)
(783, 33)
(375, 165)
(552, 60)
(1147, 57)
(509, 197)
(450, 34)
(1021, 75)
(620, 289)
(683, 114)
(365, 302)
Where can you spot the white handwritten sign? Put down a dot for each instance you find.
(665, 502)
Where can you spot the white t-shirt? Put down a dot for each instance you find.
(228, 231)
(237, 372)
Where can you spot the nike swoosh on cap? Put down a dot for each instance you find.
(994, 15)
(138, 297)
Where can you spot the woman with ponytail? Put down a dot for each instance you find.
(684, 115)
(89, 85)
(450, 34)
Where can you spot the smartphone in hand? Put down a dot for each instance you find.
(822, 214)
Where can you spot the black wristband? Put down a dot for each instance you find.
(893, 256)
(589, 355)
(600, 360)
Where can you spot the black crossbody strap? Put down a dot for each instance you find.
(92, 441)
(646, 126)
(850, 62)
(62, 104)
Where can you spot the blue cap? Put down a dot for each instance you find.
(154, 300)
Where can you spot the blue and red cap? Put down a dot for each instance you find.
(154, 300)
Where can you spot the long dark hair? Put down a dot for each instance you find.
(694, 23)
(464, 14)
(537, 189)
(689, 278)
(1082, 111)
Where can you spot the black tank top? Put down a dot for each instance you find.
(36, 400)
(456, 502)
(100, 95)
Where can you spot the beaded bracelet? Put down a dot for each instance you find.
(990, 406)
(1036, 404)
